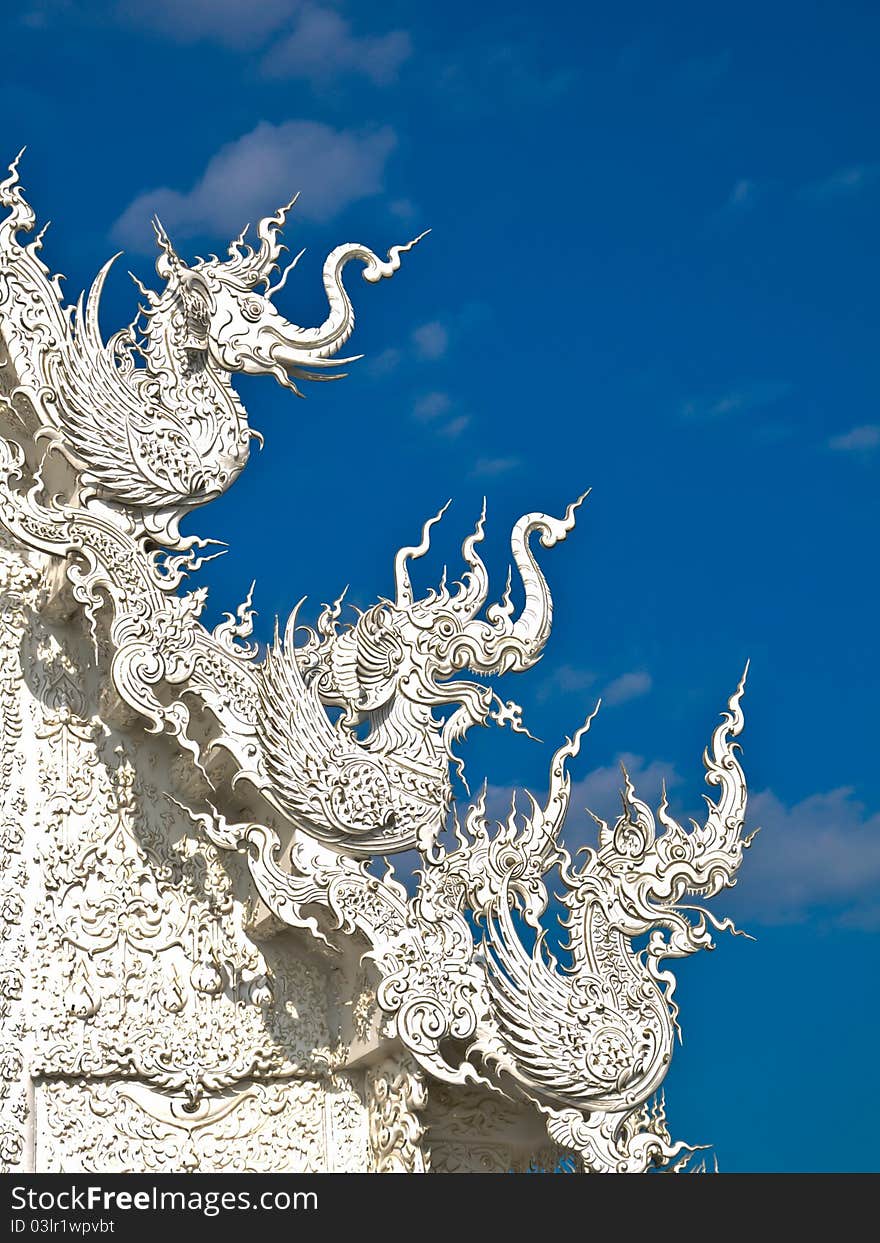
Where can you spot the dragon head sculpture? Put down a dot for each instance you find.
(400, 658)
(220, 312)
(385, 786)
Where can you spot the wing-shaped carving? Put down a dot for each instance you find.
(590, 1039)
(316, 773)
(129, 447)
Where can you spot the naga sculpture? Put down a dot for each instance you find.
(348, 735)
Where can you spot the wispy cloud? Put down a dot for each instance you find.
(432, 406)
(433, 410)
(743, 197)
(453, 429)
(250, 177)
(322, 44)
(384, 363)
(431, 340)
(645, 58)
(628, 686)
(570, 679)
(600, 790)
(744, 194)
(859, 440)
(566, 680)
(735, 400)
(843, 182)
(818, 858)
(298, 38)
(207, 21)
(488, 467)
(404, 209)
(490, 73)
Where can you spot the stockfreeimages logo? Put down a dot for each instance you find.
(97, 1199)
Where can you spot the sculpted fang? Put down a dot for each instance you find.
(346, 738)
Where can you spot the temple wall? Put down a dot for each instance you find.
(147, 1023)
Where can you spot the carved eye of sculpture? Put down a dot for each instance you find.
(252, 309)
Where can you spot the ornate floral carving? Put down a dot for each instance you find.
(287, 1126)
(18, 590)
(398, 1094)
(142, 920)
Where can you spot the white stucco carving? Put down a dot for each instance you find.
(202, 967)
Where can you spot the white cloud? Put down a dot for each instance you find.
(566, 680)
(322, 44)
(432, 409)
(743, 194)
(492, 75)
(628, 686)
(599, 791)
(300, 38)
(453, 429)
(431, 340)
(820, 856)
(431, 406)
(859, 440)
(845, 181)
(209, 21)
(818, 859)
(404, 209)
(251, 176)
(491, 466)
(386, 362)
(735, 401)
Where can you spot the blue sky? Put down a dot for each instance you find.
(653, 270)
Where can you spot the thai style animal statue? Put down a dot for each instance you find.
(150, 419)
(379, 775)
